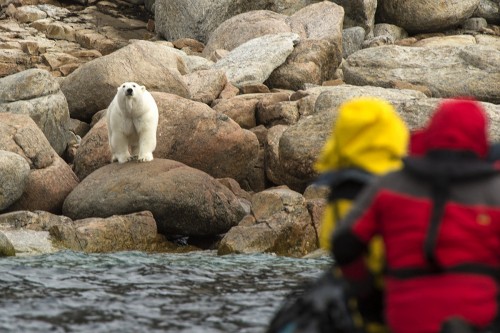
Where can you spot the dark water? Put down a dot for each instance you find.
(139, 292)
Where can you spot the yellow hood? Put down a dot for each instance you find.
(368, 134)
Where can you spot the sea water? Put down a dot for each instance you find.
(140, 292)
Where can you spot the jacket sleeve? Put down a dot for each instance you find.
(353, 233)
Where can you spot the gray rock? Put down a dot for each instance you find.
(29, 231)
(241, 110)
(253, 61)
(94, 151)
(384, 29)
(54, 12)
(352, 40)
(150, 5)
(487, 40)
(133, 232)
(448, 71)
(319, 21)
(490, 10)
(378, 41)
(276, 108)
(136, 2)
(194, 19)
(196, 63)
(274, 169)
(183, 200)
(424, 15)
(205, 85)
(440, 41)
(6, 247)
(313, 60)
(28, 14)
(319, 52)
(359, 13)
(416, 114)
(14, 172)
(475, 24)
(36, 93)
(280, 224)
(92, 86)
(244, 27)
(31, 220)
(197, 19)
(50, 178)
(292, 151)
(42, 232)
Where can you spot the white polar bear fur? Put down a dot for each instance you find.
(132, 119)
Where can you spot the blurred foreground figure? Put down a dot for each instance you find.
(368, 139)
(439, 218)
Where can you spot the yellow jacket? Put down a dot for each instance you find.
(368, 134)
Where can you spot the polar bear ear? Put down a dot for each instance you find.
(143, 88)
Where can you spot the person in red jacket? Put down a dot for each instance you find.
(439, 218)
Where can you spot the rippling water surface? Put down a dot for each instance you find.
(139, 292)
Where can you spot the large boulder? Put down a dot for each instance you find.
(292, 151)
(472, 70)
(183, 200)
(189, 132)
(319, 52)
(92, 86)
(206, 85)
(426, 15)
(36, 93)
(488, 9)
(6, 247)
(28, 231)
(253, 61)
(280, 223)
(133, 232)
(94, 151)
(50, 179)
(33, 232)
(176, 19)
(314, 59)
(359, 13)
(196, 135)
(241, 28)
(14, 172)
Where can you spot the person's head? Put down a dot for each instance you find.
(368, 134)
(456, 125)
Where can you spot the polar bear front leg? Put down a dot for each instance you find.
(147, 144)
(146, 132)
(119, 147)
(134, 148)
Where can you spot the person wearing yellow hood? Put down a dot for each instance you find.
(368, 139)
(368, 136)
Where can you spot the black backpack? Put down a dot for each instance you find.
(323, 307)
(324, 304)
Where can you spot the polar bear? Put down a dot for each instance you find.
(132, 119)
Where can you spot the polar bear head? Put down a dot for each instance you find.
(130, 89)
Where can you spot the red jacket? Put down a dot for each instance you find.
(440, 221)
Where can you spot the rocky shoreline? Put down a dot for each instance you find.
(247, 94)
